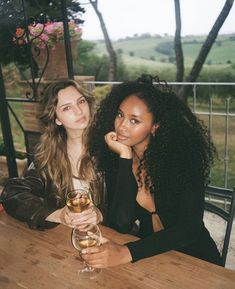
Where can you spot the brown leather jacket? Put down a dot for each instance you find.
(29, 200)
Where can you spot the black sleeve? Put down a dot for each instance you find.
(187, 227)
(25, 199)
(121, 196)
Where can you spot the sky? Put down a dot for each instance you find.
(128, 17)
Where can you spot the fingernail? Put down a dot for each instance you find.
(84, 251)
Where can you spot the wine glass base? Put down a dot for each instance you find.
(89, 273)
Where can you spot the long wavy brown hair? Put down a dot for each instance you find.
(51, 157)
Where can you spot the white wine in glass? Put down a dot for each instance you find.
(87, 236)
(78, 200)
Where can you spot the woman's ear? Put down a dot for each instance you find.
(58, 122)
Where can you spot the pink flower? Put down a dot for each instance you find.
(49, 33)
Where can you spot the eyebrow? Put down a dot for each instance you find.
(67, 103)
(132, 115)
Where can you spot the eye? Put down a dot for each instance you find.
(82, 101)
(65, 108)
(119, 115)
(134, 121)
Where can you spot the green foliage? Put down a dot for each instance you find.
(119, 51)
(167, 73)
(165, 48)
(218, 75)
(131, 53)
(101, 91)
(91, 63)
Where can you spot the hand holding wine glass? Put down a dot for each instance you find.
(78, 200)
(82, 238)
(80, 209)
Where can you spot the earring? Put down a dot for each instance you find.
(155, 129)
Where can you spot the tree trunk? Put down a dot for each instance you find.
(178, 46)
(206, 47)
(112, 54)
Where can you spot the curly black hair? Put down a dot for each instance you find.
(181, 140)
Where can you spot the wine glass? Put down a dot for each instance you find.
(87, 236)
(78, 200)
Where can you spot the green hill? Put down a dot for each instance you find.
(159, 51)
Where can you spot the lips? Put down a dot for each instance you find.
(82, 119)
(121, 137)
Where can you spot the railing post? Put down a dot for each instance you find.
(226, 155)
(6, 130)
(194, 97)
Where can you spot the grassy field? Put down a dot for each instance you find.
(224, 161)
(145, 51)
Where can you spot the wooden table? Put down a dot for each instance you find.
(47, 260)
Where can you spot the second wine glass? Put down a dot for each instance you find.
(87, 236)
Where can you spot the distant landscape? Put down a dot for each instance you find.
(157, 53)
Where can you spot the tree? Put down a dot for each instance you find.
(183, 91)
(112, 54)
(179, 56)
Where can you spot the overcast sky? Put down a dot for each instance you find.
(127, 17)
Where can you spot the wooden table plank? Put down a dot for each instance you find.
(37, 260)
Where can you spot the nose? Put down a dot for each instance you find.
(77, 110)
(123, 125)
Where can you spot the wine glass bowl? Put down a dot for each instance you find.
(78, 200)
(87, 236)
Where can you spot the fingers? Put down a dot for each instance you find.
(111, 136)
(94, 256)
(92, 215)
(104, 240)
(93, 250)
(88, 216)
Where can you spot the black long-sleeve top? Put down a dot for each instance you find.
(180, 209)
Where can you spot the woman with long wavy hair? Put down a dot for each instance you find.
(61, 162)
(155, 155)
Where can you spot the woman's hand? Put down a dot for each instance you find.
(91, 215)
(108, 254)
(122, 150)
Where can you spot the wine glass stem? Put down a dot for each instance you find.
(87, 267)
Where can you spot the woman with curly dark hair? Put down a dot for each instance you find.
(155, 155)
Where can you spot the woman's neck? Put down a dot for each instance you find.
(138, 152)
(74, 147)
